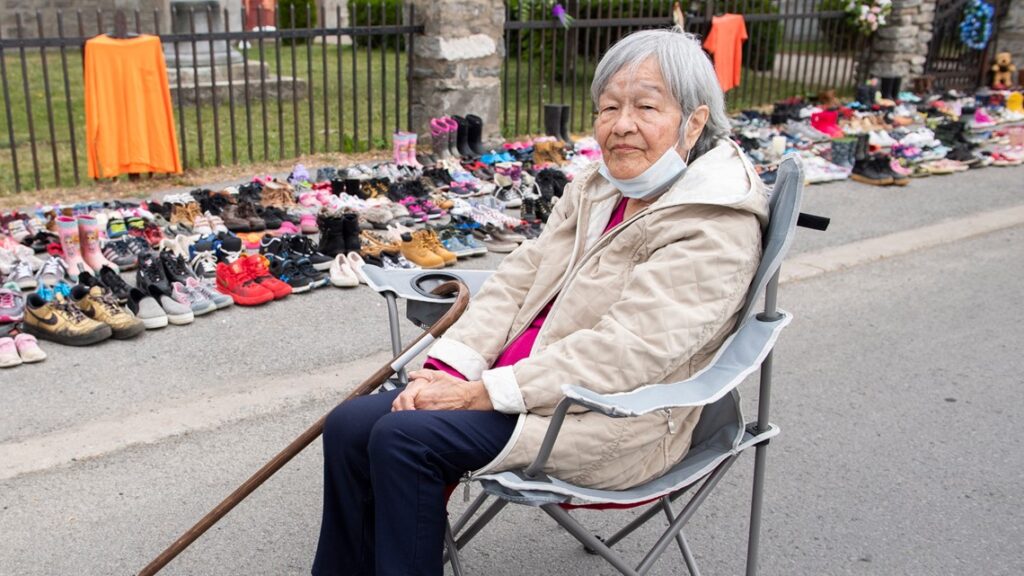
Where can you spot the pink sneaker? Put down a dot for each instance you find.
(307, 223)
(981, 118)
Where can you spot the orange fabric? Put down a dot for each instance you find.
(725, 41)
(129, 120)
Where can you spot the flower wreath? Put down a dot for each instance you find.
(868, 15)
(976, 28)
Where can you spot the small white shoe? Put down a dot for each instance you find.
(342, 274)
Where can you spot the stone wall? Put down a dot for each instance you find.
(900, 48)
(457, 68)
(1011, 33)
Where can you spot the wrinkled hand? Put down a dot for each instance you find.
(437, 390)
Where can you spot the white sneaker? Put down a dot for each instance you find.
(342, 274)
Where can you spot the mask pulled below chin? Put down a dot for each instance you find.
(651, 182)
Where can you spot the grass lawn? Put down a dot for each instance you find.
(261, 139)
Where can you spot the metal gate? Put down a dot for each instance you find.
(951, 63)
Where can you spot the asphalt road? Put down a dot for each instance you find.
(896, 391)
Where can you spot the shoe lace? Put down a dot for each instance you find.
(69, 308)
(176, 265)
(108, 302)
(206, 258)
(55, 265)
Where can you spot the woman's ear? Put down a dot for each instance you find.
(695, 125)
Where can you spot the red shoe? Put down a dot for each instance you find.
(152, 234)
(258, 266)
(237, 281)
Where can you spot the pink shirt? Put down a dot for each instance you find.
(522, 346)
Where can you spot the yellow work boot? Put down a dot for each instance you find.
(62, 322)
(417, 250)
(1015, 102)
(100, 305)
(431, 239)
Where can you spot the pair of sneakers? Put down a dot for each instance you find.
(248, 281)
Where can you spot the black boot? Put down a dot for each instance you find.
(553, 120)
(463, 138)
(350, 232)
(860, 151)
(869, 171)
(476, 134)
(563, 131)
(332, 236)
(865, 94)
(843, 152)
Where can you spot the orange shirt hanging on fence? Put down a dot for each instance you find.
(129, 120)
(725, 41)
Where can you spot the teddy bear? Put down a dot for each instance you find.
(1002, 71)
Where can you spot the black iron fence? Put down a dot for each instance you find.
(797, 47)
(950, 63)
(240, 96)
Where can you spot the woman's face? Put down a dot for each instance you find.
(637, 120)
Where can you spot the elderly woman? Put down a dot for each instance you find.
(638, 278)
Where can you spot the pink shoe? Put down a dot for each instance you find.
(71, 246)
(412, 204)
(89, 233)
(307, 223)
(981, 118)
(28, 348)
(287, 228)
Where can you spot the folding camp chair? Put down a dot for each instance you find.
(718, 439)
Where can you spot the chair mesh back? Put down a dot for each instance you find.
(722, 421)
(783, 210)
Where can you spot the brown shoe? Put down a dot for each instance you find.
(416, 248)
(429, 237)
(247, 210)
(277, 194)
(233, 220)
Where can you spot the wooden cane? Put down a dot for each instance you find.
(277, 462)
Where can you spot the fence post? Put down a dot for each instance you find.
(458, 59)
(900, 48)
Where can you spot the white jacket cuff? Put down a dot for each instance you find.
(504, 391)
(459, 356)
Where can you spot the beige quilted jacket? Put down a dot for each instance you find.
(648, 302)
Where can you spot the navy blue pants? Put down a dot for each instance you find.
(385, 475)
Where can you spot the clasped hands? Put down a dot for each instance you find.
(437, 390)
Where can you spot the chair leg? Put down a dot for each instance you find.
(587, 539)
(685, 515)
(684, 546)
(480, 522)
(468, 514)
(754, 542)
(453, 550)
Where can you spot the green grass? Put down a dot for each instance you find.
(264, 142)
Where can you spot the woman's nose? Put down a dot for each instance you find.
(624, 122)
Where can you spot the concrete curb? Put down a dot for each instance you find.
(810, 264)
(95, 439)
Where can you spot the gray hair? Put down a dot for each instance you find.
(688, 73)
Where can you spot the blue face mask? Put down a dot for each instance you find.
(653, 181)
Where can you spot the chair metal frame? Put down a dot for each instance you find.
(748, 349)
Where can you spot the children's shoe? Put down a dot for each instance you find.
(21, 274)
(430, 237)
(205, 287)
(147, 309)
(286, 270)
(9, 357)
(194, 299)
(342, 273)
(12, 305)
(259, 268)
(178, 312)
(54, 270)
(419, 250)
(28, 349)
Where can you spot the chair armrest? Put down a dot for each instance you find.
(740, 355)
